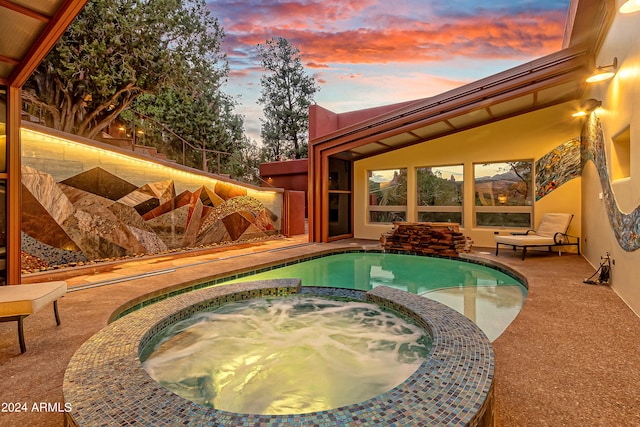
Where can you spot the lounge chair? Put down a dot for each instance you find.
(19, 301)
(552, 231)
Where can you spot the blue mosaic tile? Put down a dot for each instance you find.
(106, 384)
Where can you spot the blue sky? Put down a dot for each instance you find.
(366, 53)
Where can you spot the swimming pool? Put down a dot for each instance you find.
(487, 296)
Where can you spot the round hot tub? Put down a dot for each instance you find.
(286, 355)
(106, 382)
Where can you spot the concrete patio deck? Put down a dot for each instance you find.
(570, 358)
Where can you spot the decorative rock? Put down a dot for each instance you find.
(427, 238)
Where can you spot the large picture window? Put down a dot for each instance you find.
(504, 194)
(388, 195)
(440, 193)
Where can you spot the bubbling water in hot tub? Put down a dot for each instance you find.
(287, 355)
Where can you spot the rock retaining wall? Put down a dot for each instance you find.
(427, 238)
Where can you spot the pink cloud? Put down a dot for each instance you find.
(412, 42)
(300, 14)
(316, 65)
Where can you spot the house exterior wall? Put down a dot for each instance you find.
(525, 137)
(620, 110)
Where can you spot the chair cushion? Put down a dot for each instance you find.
(525, 240)
(19, 300)
(553, 223)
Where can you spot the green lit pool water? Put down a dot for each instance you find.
(490, 298)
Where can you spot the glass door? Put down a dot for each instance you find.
(340, 203)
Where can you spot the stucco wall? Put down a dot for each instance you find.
(620, 98)
(529, 136)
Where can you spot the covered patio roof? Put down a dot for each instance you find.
(547, 81)
(29, 30)
(550, 80)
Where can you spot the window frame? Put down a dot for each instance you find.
(527, 208)
(386, 208)
(441, 208)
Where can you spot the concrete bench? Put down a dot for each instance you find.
(19, 301)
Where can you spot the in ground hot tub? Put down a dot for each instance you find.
(286, 355)
(106, 383)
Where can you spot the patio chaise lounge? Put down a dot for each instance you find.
(19, 301)
(552, 231)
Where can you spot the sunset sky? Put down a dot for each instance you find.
(366, 53)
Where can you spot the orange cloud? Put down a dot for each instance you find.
(316, 65)
(412, 41)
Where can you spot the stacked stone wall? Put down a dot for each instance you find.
(427, 238)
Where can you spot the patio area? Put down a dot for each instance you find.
(569, 358)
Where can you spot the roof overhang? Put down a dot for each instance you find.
(29, 30)
(547, 81)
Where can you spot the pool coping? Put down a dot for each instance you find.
(106, 384)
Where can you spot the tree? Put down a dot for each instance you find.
(286, 94)
(117, 50)
(204, 117)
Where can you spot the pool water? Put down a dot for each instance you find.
(287, 355)
(490, 298)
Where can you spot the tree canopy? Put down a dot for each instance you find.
(287, 92)
(115, 51)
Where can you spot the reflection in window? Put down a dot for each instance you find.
(440, 193)
(388, 195)
(503, 194)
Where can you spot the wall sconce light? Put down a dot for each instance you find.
(502, 199)
(630, 6)
(604, 72)
(588, 106)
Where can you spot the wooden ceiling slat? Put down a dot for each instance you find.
(24, 11)
(8, 60)
(42, 44)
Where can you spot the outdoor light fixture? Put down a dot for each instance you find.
(604, 72)
(502, 199)
(588, 106)
(630, 6)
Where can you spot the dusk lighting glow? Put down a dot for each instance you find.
(371, 52)
(630, 6)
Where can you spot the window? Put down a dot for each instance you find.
(440, 193)
(503, 194)
(388, 195)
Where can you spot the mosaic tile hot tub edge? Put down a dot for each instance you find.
(106, 384)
